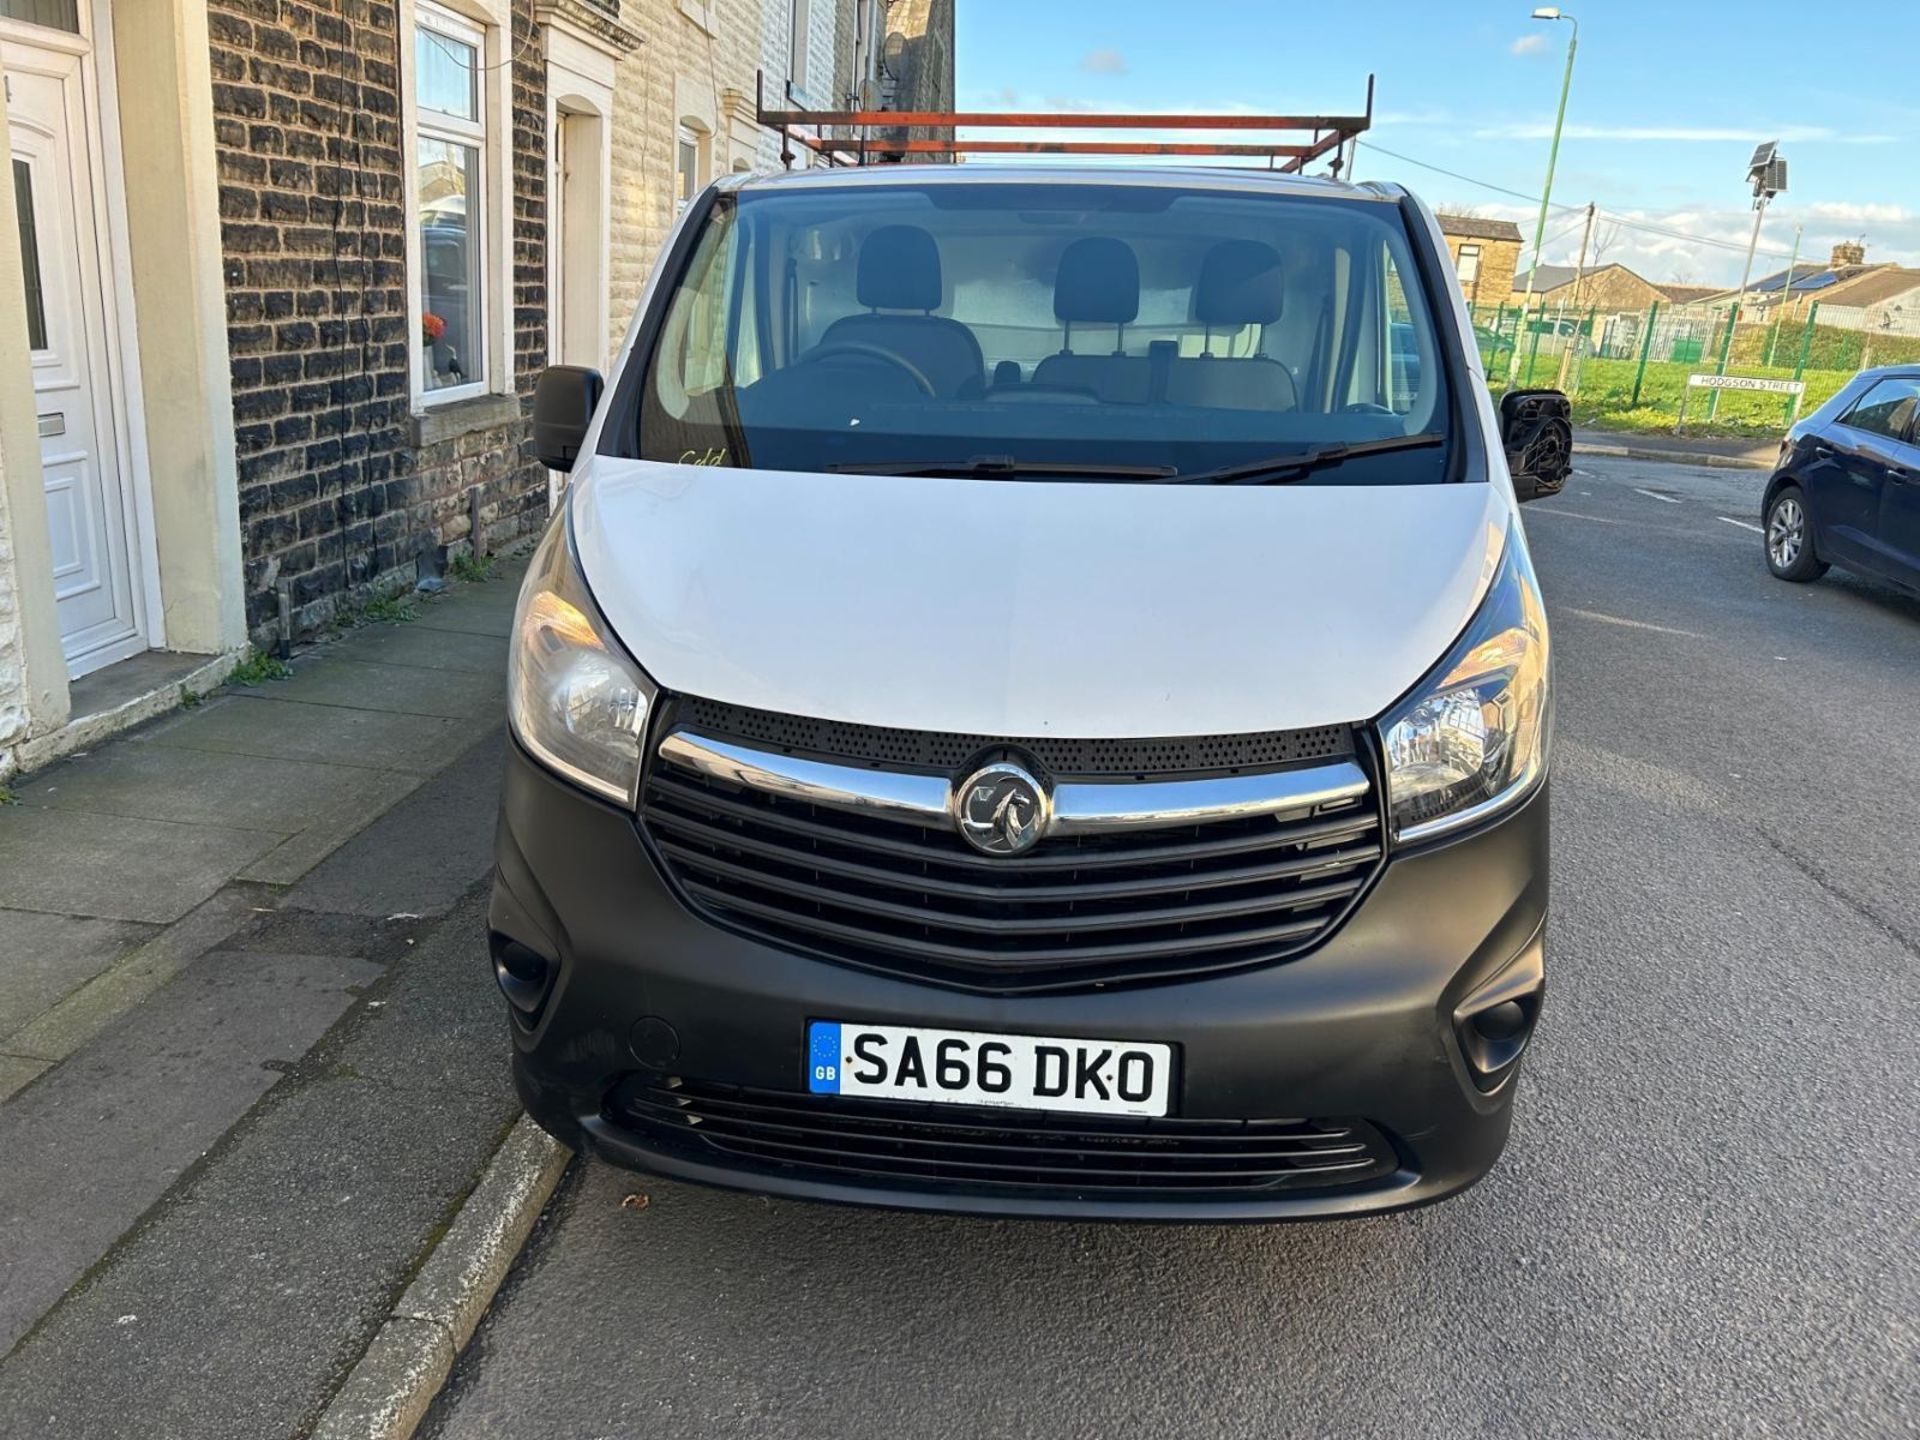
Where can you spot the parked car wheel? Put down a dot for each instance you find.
(1790, 538)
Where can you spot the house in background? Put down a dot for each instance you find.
(1845, 282)
(1602, 287)
(1678, 294)
(1485, 255)
(686, 111)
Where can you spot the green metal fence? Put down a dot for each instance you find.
(1628, 369)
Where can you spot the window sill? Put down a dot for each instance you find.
(449, 421)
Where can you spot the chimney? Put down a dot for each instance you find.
(1847, 252)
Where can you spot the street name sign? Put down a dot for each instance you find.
(1747, 382)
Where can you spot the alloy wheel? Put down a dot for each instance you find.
(1786, 533)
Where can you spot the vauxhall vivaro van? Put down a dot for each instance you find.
(1035, 701)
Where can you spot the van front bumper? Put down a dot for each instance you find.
(1365, 1028)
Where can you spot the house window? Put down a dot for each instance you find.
(689, 174)
(451, 191)
(797, 44)
(1469, 264)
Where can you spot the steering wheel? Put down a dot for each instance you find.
(873, 352)
(1367, 407)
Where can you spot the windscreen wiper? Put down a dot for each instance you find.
(1276, 469)
(1006, 467)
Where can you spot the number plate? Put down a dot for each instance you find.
(965, 1067)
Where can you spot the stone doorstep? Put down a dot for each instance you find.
(119, 712)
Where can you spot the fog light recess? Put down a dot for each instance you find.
(1494, 1024)
(524, 975)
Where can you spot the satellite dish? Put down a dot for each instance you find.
(892, 51)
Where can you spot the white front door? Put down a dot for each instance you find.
(90, 508)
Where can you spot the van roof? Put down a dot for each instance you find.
(1190, 177)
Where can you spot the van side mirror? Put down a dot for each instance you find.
(1536, 431)
(563, 406)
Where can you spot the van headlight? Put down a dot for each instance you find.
(1473, 736)
(574, 699)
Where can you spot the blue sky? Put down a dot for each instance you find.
(1668, 101)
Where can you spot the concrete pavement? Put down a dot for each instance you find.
(1709, 451)
(1704, 1225)
(252, 1054)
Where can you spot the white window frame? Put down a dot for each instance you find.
(1469, 251)
(799, 44)
(686, 134)
(489, 221)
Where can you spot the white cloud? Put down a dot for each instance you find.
(1535, 44)
(1104, 62)
(1852, 214)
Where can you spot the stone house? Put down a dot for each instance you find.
(1607, 288)
(287, 273)
(688, 97)
(1485, 255)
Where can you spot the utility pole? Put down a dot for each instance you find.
(1579, 285)
(1546, 12)
(1786, 291)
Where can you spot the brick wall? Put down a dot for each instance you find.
(1610, 289)
(337, 498)
(1498, 260)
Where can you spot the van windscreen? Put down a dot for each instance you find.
(1024, 329)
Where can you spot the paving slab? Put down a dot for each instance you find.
(432, 648)
(497, 623)
(74, 862)
(479, 609)
(65, 1027)
(297, 854)
(297, 1233)
(17, 1071)
(93, 1145)
(198, 787)
(425, 852)
(262, 722)
(333, 679)
(45, 958)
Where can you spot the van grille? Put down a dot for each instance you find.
(1062, 757)
(1079, 910)
(981, 1150)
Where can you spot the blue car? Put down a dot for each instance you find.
(1846, 490)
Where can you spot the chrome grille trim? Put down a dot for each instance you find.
(920, 798)
(1079, 807)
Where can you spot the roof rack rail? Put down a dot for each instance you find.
(1319, 135)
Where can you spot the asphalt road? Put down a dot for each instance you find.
(1705, 1223)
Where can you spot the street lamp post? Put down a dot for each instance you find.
(1767, 173)
(1546, 12)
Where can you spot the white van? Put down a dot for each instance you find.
(1036, 702)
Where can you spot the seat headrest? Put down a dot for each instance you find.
(899, 269)
(1240, 284)
(1098, 283)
